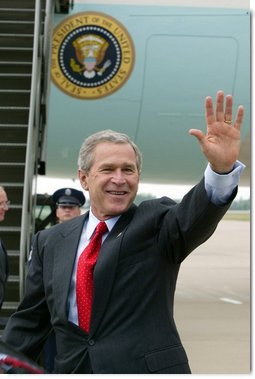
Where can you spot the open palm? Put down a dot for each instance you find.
(221, 143)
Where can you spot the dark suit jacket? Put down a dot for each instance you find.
(133, 329)
(4, 271)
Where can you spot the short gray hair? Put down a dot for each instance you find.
(86, 154)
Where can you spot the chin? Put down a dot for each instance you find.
(116, 211)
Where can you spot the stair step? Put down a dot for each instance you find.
(12, 173)
(14, 115)
(17, 4)
(16, 98)
(12, 153)
(15, 81)
(10, 67)
(14, 184)
(9, 229)
(11, 14)
(16, 40)
(21, 27)
(8, 54)
(13, 133)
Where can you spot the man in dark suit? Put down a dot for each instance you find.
(132, 329)
(4, 265)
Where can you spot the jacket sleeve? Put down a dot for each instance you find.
(190, 223)
(29, 326)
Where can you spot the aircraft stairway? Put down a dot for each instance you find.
(17, 19)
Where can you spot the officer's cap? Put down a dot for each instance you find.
(68, 196)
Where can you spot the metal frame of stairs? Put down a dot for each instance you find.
(25, 47)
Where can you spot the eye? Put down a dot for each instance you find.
(129, 170)
(106, 169)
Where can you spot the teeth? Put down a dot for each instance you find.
(117, 193)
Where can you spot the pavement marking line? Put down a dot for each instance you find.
(227, 300)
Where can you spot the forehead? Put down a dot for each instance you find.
(113, 151)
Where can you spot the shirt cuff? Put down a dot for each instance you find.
(220, 187)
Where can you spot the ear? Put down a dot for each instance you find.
(83, 179)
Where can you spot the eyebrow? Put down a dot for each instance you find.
(124, 166)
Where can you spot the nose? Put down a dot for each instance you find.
(118, 177)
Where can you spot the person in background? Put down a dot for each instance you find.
(106, 280)
(4, 266)
(68, 203)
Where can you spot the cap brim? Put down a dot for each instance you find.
(68, 200)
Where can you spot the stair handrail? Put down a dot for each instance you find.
(39, 52)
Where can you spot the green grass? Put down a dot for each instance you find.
(237, 216)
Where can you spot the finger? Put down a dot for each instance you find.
(197, 133)
(228, 108)
(239, 117)
(209, 113)
(220, 106)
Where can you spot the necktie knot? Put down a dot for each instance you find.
(101, 228)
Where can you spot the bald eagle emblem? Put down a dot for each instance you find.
(90, 52)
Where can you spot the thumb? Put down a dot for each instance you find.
(197, 133)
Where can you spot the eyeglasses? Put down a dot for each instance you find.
(5, 204)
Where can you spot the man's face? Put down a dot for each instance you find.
(112, 181)
(66, 212)
(3, 204)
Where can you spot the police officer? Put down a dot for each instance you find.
(68, 203)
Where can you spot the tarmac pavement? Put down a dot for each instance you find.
(212, 304)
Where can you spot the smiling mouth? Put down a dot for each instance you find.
(117, 193)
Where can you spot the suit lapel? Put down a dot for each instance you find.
(105, 268)
(64, 258)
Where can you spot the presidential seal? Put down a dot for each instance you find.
(92, 55)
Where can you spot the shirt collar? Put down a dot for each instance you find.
(93, 221)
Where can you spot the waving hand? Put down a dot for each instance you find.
(221, 143)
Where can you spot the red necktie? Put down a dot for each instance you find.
(84, 276)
